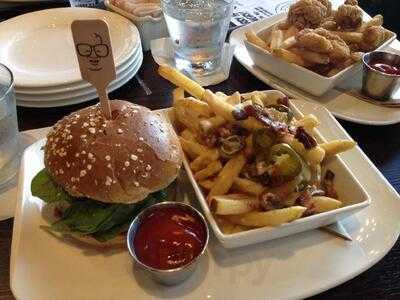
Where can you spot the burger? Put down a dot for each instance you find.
(100, 173)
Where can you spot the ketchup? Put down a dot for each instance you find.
(169, 237)
(386, 68)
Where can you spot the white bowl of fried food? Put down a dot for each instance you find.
(145, 14)
(258, 166)
(314, 47)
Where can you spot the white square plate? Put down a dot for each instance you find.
(292, 73)
(43, 267)
(350, 192)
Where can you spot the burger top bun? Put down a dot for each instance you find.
(120, 160)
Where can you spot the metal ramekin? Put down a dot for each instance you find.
(376, 84)
(171, 276)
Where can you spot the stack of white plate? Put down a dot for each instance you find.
(39, 49)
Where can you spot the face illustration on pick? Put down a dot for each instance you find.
(94, 52)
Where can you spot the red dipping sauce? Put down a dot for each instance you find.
(386, 68)
(169, 237)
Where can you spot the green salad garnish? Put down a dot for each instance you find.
(84, 216)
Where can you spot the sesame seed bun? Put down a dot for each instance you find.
(121, 160)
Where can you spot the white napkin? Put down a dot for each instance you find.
(163, 54)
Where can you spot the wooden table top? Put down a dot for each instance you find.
(382, 281)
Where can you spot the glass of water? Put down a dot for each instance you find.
(198, 30)
(9, 134)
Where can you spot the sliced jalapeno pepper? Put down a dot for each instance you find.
(231, 145)
(288, 162)
(262, 139)
(284, 109)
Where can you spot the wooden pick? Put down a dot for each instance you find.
(95, 58)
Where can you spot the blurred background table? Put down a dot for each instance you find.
(381, 144)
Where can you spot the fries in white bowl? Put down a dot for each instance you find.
(302, 50)
(262, 167)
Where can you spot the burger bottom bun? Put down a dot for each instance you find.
(117, 242)
(86, 240)
(48, 213)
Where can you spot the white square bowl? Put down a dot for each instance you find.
(350, 192)
(300, 77)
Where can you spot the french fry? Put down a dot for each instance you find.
(308, 122)
(375, 21)
(203, 160)
(180, 80)
(356, 56)
(207, 184)
(322, 204)
(239, 228)
(233, 204)
(210, 170)
(228, 227)
(312, 57)
(337, 146)
(187, 134)
(289, 56)
(333, 72)
(207, 125)
(221, 95)
(188, 118)
(193, 149)
(276, 39)
(253, 38)
(289, 42)
(350, 37)
(220, 108)
(248, 149)
(283, 25)
(225, 178)
(233, 99)
(269, 218)
(248, 186)
(271, 97)
(291, 32)
(177, 94)
(255, 99)
(194, 106)
(315, 155)
(224, 225)
(251, 124)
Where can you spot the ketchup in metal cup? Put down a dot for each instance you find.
(169, 237)
(386, 68)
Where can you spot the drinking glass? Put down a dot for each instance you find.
(198, 30)
(9, 134)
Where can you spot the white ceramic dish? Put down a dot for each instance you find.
(342, 105)
(292, 73)
(150, 28)
(84, 91)
(38, 46)
(79, 85)
(350, 192)
(44, 101)
(294, 267)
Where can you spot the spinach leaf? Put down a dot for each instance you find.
(84, 216)
(119, 227)
(104, 236)
(45, 188)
